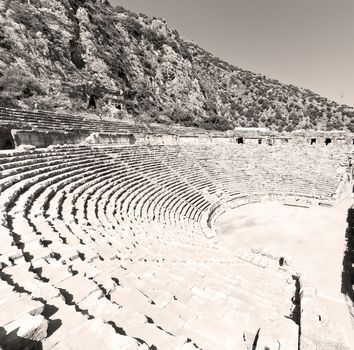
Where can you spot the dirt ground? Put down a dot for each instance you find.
(313, 239)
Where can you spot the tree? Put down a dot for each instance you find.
(16, 84)
(7, 4)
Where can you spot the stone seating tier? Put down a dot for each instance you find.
(105, 245)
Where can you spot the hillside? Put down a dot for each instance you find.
(56, 54)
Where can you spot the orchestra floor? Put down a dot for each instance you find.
(311, 240)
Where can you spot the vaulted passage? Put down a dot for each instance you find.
(92, 102)
(6, 140)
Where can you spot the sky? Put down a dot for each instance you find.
(307, 43)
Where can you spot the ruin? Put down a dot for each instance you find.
(109, 235)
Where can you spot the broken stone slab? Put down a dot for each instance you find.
(168, 321)
(78, 286)
(210, 332)
(278, 334)
(257, 250)
(128, 297)
(315, 324)
(11, 257)
(30, 282)
(110, 312)
(270, 254)
(161, 298)
(260, 262)
(55, 271)
(24, 332)
(105, 281)
(85, 269)
(17, 306)
(95, 334)
(155, 335)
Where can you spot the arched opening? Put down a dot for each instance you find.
(6, 140)
(328, 141)
(313, 141)
(92, 102)
(240, 140)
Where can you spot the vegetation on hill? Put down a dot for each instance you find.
(55, 54)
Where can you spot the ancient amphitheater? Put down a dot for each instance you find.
(112, 237)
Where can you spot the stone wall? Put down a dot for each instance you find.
(45, 138)
(99, 138)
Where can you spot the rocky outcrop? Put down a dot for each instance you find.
(57, 54)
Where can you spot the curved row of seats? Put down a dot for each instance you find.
(103, 247)
(26, 120)
(42, 120)
(294, 170)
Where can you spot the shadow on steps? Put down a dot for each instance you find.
(12, 341)
(348, 261)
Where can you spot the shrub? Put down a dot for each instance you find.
(289, 128)
(26, 15)
(181, 116)
(16, 84)
(133, 27)
(4, 42)
(278, 114)
(350, 126)
(216, 122)
(155, 39)
(250, 113)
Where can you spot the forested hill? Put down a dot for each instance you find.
(56, 54)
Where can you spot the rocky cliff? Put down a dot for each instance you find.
(62, 54)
